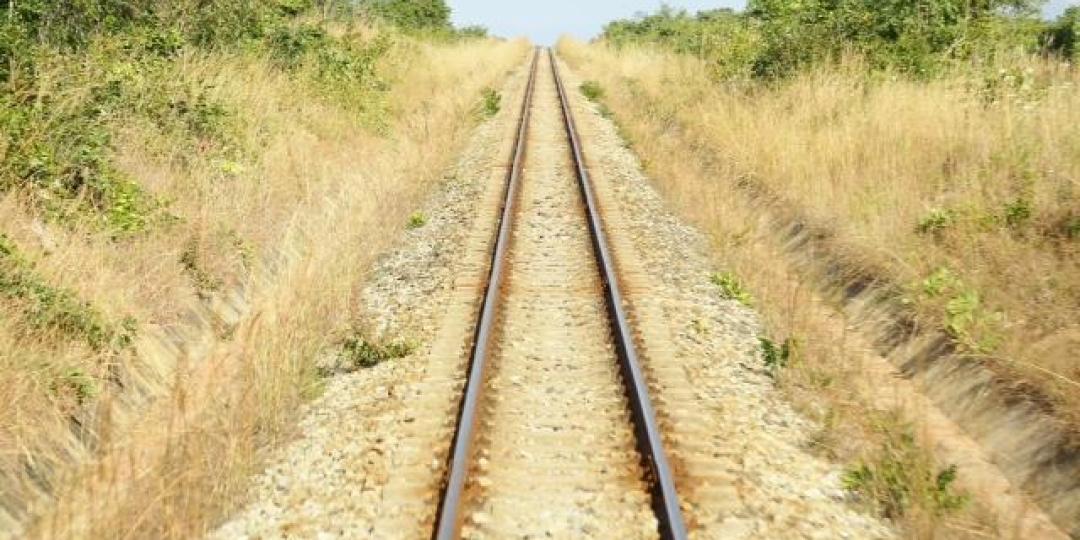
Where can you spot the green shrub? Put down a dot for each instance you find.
(966, 319)
(472, 32)
(290, 45)
(1062, 36)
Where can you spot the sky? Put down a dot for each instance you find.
(543, 22)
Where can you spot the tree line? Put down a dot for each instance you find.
(774, 38)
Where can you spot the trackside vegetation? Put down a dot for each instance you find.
(166, 168)
(922, 150)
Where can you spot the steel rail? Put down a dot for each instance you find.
(449, 520)
(650, 443)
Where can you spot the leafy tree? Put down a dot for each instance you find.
(774, 38)
(913, 36)
(1063, 35)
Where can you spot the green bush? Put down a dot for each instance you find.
(967, 320)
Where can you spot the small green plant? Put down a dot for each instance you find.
(1018, 213)
(968, 322)
(940, 282)
(1070, 227)
(937, 221)
(900, 476)
(777, 357)
(592, 90)
(490, 102)
(731, 288)
(416, 220)
(699, 326)
(361, 352)
(76, 383)
(191, 261)
(966, 319)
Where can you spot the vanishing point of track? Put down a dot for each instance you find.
(553, 278)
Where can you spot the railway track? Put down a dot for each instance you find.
(556, 434)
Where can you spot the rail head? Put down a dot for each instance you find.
(649, 438)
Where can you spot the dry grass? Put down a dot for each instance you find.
(234, 300)
(875, 163)
(974, 174)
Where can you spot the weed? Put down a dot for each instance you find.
(732, 288)
(77, 383)
(940, 282)
(361, 352)
(968, 322)
(699, 326)
(966, 319)
(191, 260)
(490, 102)
(1070, 227)
(47, 307)
(776, 357)
(900, 476)
(416, 220)
(592, 90)
(937, 221)
(1018, 213)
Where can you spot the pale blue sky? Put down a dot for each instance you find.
(544, 21)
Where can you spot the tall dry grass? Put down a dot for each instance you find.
(235, 299)
(964, 189)
(874, 163)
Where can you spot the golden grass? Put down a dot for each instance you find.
(234, 301)
(867, 160)
(974, 174)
